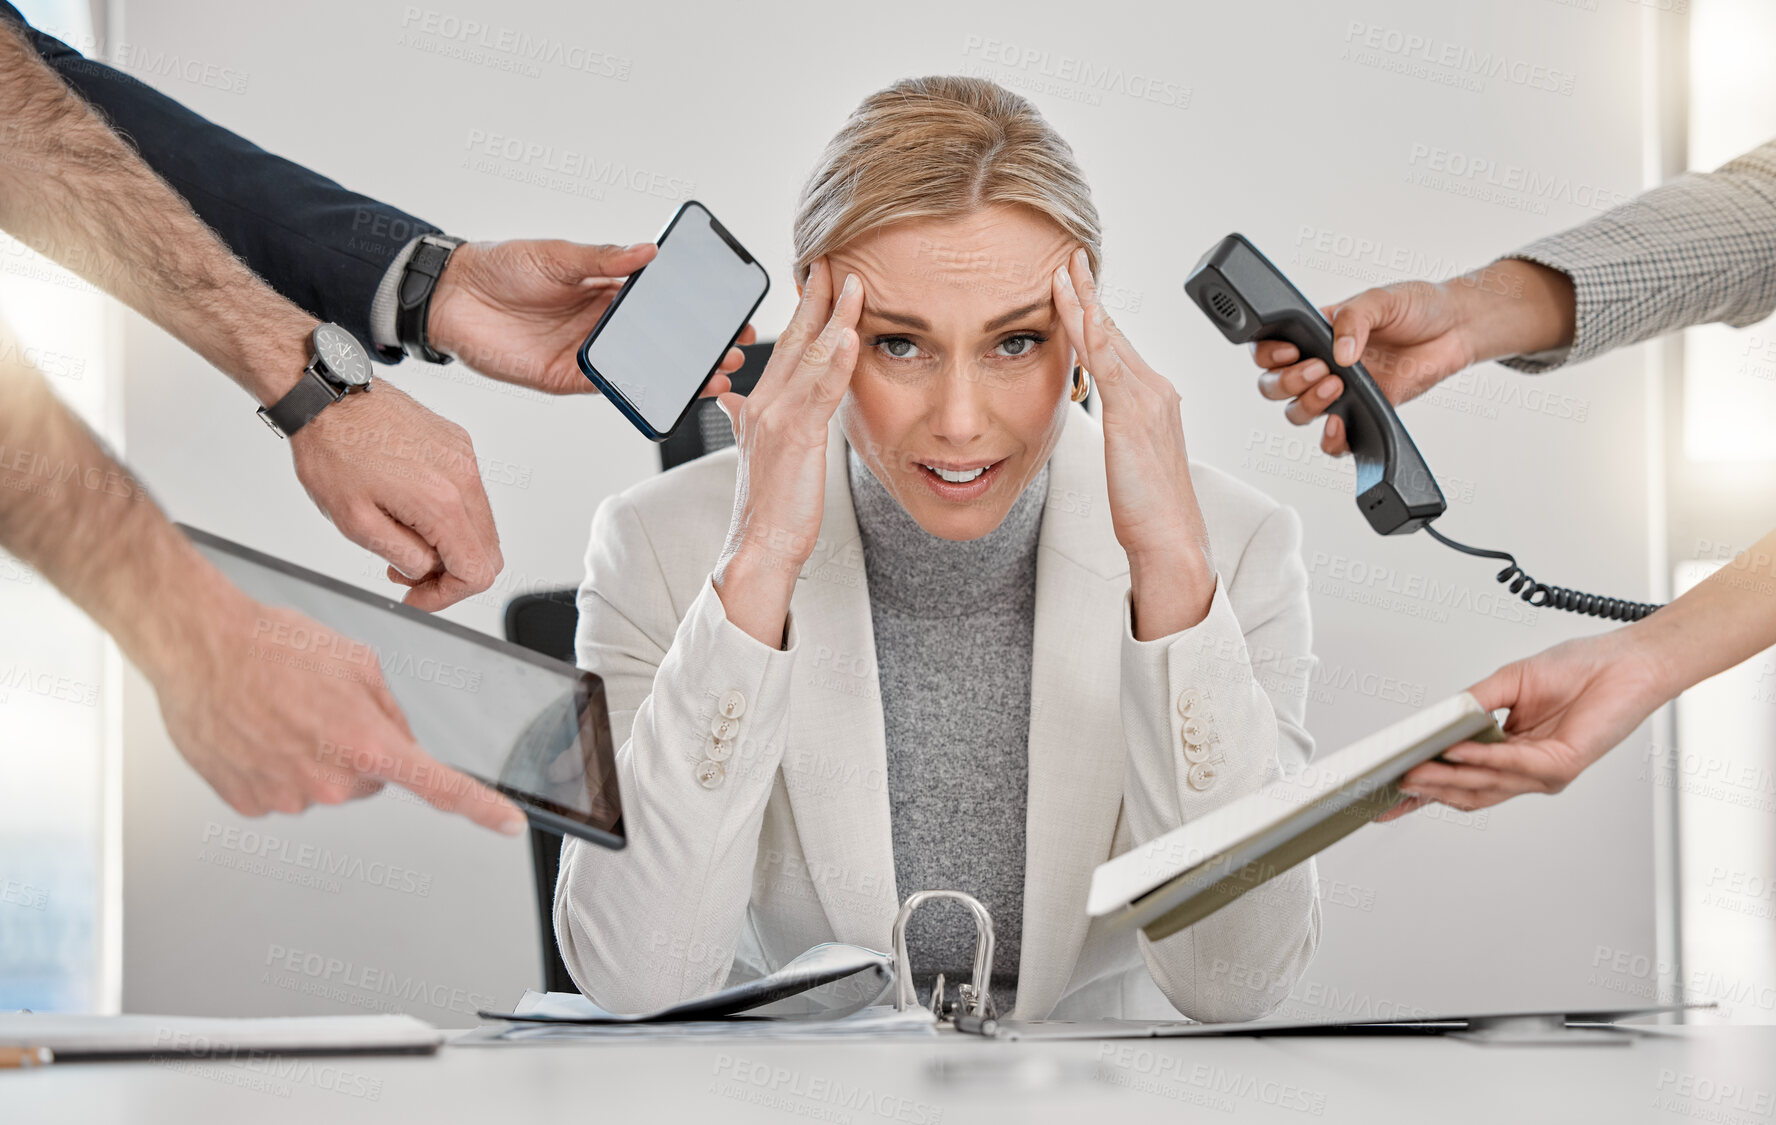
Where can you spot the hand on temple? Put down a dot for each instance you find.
(519, 311)
(1413, 335)
(781, 431)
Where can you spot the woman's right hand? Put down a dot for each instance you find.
(781, 432)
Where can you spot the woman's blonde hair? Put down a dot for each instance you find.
(940, 148)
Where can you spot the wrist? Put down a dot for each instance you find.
(1171, 590)
(1515, 307)
(447, 294)
(186, 609)
(273, 361)
(755, 587)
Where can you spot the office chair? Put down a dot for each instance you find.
(546, 623)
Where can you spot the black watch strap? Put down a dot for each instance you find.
(308, 397)
(413, 297)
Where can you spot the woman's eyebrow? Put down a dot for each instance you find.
(1017, 314)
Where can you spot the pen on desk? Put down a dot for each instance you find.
(12, 1058)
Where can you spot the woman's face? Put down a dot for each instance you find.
(960, 391)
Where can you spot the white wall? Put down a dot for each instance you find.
(1293, 131)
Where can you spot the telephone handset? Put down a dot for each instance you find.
(1249, 299)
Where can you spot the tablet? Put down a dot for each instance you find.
(1187, 874)
(533, 728)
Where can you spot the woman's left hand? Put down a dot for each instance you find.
(1152, 501)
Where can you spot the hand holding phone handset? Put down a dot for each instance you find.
(1249, 299)
(668, 331)
(781, 431)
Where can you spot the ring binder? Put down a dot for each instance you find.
(974, 1011)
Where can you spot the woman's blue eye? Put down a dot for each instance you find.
(898, 347)
(1014, 347)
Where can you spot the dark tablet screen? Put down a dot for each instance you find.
(532, 727)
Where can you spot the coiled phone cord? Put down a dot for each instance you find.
(1552, 597)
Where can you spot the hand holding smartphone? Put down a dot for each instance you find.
(666, 332)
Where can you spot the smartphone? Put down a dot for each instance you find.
(661, 340)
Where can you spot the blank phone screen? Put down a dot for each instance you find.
(674, 325)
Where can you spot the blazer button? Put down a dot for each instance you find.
(1201, 776)
(1197, 732)
(710, 774)
(1195, 752)
(1190, 700)
(720, 749)
(733, 705)
(724, 727)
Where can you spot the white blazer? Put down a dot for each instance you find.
(791, 847)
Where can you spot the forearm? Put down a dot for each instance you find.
(71, 189)
(1725, 620)
(74, 514)
(1698, 250)
(1515, 307)
(324, 247)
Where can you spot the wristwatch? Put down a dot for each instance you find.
(413, 297)
(340, 366)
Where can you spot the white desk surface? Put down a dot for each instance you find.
(1671, 1076)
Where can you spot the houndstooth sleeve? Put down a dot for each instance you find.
(1697, 250)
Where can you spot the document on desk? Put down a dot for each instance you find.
(1187, 874)
(139, 1036)
(829, 990)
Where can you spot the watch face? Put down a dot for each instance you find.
(344, 357)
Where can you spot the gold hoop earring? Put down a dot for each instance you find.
(1081, 384)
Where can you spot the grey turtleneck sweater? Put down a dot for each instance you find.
(954, 624)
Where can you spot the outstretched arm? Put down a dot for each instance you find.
(272, 728)
(392, 475)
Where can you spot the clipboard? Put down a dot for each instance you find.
(1182, 877)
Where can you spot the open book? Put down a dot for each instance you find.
(1189, 873)
(830, 981)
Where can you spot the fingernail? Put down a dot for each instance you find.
(1344, 350)
(1080, 257)
(1454, 756)
(1326, 390)
(851, 284)
(813, 268)
(513, 826)
(634, 246)
(1287, 354)
(1066, 278)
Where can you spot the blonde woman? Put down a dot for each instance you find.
(929, 625)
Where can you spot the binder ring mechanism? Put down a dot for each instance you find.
(974, 1011)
